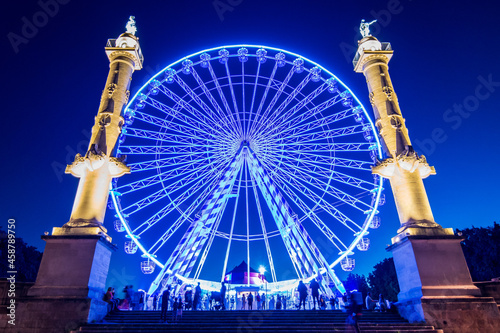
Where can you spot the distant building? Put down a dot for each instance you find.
(239, 275)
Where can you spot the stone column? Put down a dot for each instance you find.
(71, 280)
(434, 280)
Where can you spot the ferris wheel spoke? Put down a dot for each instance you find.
(209, 95)
(177, 160)
(250, 111)
(330, 160)
(165, 137)
(288, 116)
(329, 173)
(175, 126)
(222, 96)
(207, 188)
(154, 150)
(278, 113)
(209, 219)
(298, 251)
(174, 204)
(297, 119)
(185, 215)
(263, 99)
(303, 183)
(344, 147)
(190, 119)
(202, 118)
(212, 115)
(230, 239)
(311, 214)
(182, 173)
(297, 125)
(323, 182)
(277, 95)
(282, 182)
(326, 134)
(297, 173)
(162, 193)
(233, 97)
(263, 227)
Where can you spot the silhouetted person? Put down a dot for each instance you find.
(315, 292)
(381, 303)
(302, 289)
(223, 295)
(175, 306)
(165, 297)
(369, 302)
(250, 301)
(355, 304)
(197, 296)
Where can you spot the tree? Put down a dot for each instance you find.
(27, 260)
(383, 280)
(356, 282)
(481, 248)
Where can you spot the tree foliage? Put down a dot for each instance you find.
(481, 248)
(356, 282)
(27, 260)
(383, 280)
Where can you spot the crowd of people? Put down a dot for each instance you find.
(195, 299)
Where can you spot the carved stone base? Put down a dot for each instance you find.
(453, 314)
(57, 314)
(436, 287)
(73, 266)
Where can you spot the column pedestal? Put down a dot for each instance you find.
(436, 287)
(70, 284)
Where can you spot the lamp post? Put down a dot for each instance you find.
(262, 270)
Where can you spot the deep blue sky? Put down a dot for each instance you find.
(443, 53)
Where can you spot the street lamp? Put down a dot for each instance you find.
(262, 270)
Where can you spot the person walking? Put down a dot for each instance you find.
(257, 298)
(243, 302)
(223, 295)
(315, 292)
(175, 306)
(271, 303)
(250, 301)
(165, 297)
(197, 297)
(263, 298)
(302, 289)
(155, 301)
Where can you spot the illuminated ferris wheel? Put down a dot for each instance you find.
(247, 152)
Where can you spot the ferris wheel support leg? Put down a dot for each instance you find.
(187, 251)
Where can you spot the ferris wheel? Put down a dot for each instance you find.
(247, 152)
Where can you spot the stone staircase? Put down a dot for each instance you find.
(254, 321)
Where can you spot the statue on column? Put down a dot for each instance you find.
(364, 28)
(131, 28)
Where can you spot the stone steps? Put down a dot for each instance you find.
(274, 321)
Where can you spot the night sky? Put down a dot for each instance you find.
(445, 70)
